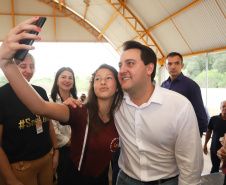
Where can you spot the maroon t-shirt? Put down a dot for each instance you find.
(99, 149)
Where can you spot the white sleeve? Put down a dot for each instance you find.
(188, 148)
(61, 138)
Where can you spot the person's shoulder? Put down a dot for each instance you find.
(82, 109)
(7, 85)
(5, 88)
(38, 88)
(164, 83)
(77, 113)
(190, 81)
(168, 92)
(216, 117)
(174, 98)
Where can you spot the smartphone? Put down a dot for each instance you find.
(21, 54)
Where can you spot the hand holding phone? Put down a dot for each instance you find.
(21, 54)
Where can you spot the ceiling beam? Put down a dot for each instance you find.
(54, 13)
(182, 36)
(13, 15)
(60, 7)
(87, 5)
(220, 9)
(170, 17)
(137, 26)
(72, 15)
(108, 24)
(43, 15)
(162, 61)
(205, 51)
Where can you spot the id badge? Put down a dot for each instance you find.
(38, 123)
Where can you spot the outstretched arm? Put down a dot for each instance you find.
(21, 87)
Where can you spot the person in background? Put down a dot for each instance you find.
(26, 154)
(94, 138)
(217, 126)
(64, 88)
(185, 86)
(83, 97)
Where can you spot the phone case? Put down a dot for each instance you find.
(21, 54)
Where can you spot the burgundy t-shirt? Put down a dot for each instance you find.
(99, 149)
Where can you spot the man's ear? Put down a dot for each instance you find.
(150, 68)
(182, 65)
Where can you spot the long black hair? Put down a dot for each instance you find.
(55, 88)
(92, 104)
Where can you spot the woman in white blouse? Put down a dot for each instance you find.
(63, 88)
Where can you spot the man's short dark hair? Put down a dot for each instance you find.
(173, 54)
(147, 54)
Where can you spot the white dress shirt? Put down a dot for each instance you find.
(63, 133)
(160, 139)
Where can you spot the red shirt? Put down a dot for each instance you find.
(99, 149)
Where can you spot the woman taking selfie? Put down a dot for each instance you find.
(25, 150)
(64, 88)
(94, 138)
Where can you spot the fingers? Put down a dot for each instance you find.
(26, 26)
(221, 153)
(69, 102)
(73, 102)
(19, 32)
(11, 43)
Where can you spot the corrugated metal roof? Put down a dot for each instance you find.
(199, 25)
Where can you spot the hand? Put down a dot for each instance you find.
(205, 150)
(68, 143)
(73, 102)
(223, 142)
(55, 160)
(11, 43)
(221, 153)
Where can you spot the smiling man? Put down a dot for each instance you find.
(160, 141)
(185, 86)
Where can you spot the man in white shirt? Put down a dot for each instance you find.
(158, 128)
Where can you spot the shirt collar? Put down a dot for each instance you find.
(220, 116)
(180, 76)
(59, 99)
(156, 97)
